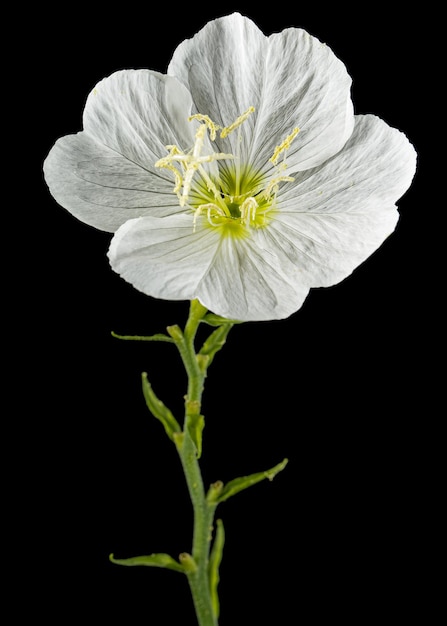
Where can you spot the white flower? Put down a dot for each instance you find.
(241, 178)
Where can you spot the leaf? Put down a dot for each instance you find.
(188, 563)
(157, 337)
(158, 409)
(239, 484)
(214, 564)
(151, 560)
(215, 342)
(196, 424)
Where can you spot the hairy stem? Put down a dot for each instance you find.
(203, 522)
(188, 445)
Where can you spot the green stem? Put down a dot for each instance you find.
(202, 565)
(185, 344)
(198, 575)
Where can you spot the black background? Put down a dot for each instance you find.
(344, 388)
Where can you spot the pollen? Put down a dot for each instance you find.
(283, 146)
(212, 126)
(240, 120)
(185, 165)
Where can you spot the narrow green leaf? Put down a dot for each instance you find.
(151, 560)
(157, 337)
(214, 564)
(239, 484)
(158, 409)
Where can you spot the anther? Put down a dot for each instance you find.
(273, 186)
(212, 126)
(284, 145)
(240, 120)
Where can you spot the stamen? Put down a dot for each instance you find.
(273, 186)
(212, 126)
(284, 145)
(200, 138)
(166, 163)
(240, 120)
(178, 178)
(234, 198)
(190, 163)
(190, 171)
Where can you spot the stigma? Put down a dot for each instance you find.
(229, 195)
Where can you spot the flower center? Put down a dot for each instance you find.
(229, 194)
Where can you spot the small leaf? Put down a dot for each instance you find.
(196, 424)
(214, 564)
(151, 560)
(175, 332)
(158, 409)
(188, 563)
(157, 337)
(239, 484)
(215, 342)
(214, 491)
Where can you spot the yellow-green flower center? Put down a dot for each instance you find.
(229, 195)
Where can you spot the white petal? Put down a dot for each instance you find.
(236, 278)
(333, 217)
(163, 257)
(325, 249)
(291, 79)
(137, 113)
(252, 280)
(106, 175)
(101, 187)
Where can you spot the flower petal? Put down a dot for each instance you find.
(251, 280)
(137, 113)
(163, 257)
(327, 223)
(333, 217)
(237, 278)
(291, 79)
(101, 187)
(106, 175)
